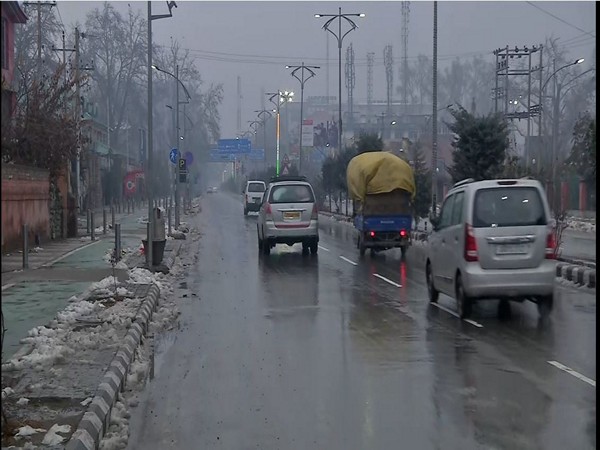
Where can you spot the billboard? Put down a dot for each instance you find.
(308, 133)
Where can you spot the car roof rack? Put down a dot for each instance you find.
(288, 178)
(462, 182)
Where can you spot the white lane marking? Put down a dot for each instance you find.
(348, 261)
(449, 311)
(323, 248)
(472, 322)
(6, 286)
(60, 258)
(572, 372)
(387, 280)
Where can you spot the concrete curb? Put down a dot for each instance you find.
(581, 275)
(96, 419)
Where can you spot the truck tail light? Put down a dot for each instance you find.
(402, 233)
(372, 234)
(470, 244)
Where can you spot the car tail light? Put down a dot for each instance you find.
(247, 198)
(268, 212)
(372, 234)
(551, 245)
(470, 244)
(315, 213)
(402, 233)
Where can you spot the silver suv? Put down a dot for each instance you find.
(493, 239)
(288, 215)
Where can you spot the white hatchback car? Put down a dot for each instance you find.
(493, 239)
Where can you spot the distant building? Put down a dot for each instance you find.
(11, 14)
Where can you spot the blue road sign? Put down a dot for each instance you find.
(257, 154)
(174, 155)
(216, 156)
(234, 146)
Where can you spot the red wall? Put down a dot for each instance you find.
(25, 197)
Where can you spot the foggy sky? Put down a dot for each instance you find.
(268, 35)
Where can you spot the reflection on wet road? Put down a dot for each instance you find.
(332, 351)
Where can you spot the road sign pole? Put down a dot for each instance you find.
(177, 143)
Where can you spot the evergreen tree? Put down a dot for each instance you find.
(422, 200)
(368, 143)
(583, 153)
(480, 145)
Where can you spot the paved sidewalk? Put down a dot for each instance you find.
(57, 272)
(60, 349)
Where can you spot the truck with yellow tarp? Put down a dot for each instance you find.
(382, 187)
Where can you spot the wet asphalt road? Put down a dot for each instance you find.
(293, 352)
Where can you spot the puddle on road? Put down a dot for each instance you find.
(162, 343)
(30, 304)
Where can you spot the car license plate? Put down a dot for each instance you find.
(295, 215)
(511, 249)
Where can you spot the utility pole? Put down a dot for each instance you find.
(388, 61)
(78, 122)
(434, 153)
(405, 15)
(505, 67)
(350, 84)
(39, 5)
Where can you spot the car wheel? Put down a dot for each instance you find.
(305, 248)
(433, 293)
(545, 305)
(403, 251)
(361, 246)
(314, 248)
(463, 303)
(504, 310)
(266, 247)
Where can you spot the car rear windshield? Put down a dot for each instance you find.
(292, 193)
(508, 207)
(256, 187)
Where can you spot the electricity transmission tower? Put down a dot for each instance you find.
(350, 84)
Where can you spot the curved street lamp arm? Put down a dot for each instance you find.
(578, 61)
(155, 67)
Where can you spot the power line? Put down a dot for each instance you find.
(560, 19)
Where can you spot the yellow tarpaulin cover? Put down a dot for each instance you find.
(378, 173)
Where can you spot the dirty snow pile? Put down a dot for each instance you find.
(588, 226)
(60, 339)
(51, 438)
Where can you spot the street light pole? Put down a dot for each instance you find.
(434, 153)
(302, 80)
(178, 82)
(150, 155)
(556, 107)
(281, 97)
(340, 37)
